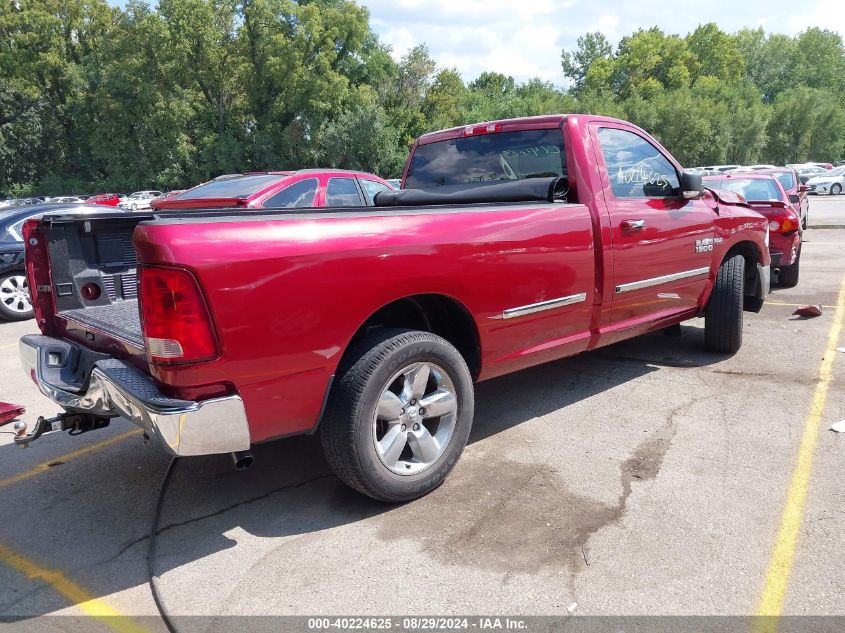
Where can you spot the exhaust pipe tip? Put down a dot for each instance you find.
(242, 460)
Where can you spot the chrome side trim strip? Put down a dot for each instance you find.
(656, 281)
(512, 313)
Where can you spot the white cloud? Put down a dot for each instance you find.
(524, 39)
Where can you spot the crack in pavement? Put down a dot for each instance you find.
(209, 515)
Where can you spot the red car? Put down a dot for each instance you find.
(525, 241)
(795, 190)
(280, 190)
(765, 194)
(107, 199)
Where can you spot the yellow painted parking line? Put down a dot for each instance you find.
(45, 466)
(783, 553)
(79, 596)
(795, 305)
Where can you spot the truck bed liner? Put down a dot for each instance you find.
(120, 320)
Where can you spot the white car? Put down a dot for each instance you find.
(831, 182)
(140, 200)
(66, 200)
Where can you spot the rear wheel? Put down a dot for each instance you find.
(15, 304)
(399, 415)
(723, 315)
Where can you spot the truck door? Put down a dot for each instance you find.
(661, 243)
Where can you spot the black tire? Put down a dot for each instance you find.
(10, 308)
(723, 315)
(348, 433)
(835, 189)
(788, 275)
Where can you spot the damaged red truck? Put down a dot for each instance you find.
(513, 243)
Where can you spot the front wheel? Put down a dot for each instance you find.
(15, 304)
(399, 415)
(723, 315)
(836, 189)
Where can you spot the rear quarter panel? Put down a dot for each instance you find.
(287, 293)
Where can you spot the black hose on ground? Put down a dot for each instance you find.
(151, 549)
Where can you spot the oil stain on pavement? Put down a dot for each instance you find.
(515, 517)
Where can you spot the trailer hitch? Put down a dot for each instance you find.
(75, 423)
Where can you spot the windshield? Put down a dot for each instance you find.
(489, 157)
(836, 172)
(752, 189)
(239, 187)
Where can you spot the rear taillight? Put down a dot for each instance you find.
(783, 223)
(38, 274)
(175, 319)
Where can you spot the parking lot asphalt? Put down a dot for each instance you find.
(650, 477)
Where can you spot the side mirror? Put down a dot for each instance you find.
(794, 199)
(692, 186)
(803, 189)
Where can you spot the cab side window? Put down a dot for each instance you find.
(635, 167)
(371, 188)
(343, 192)
(299, 194)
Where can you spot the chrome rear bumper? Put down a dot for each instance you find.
(112, 388)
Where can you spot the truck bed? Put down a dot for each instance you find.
(120, 320)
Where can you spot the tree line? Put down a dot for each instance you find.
(100, 98)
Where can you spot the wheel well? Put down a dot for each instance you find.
(751, 255)
(433, 313)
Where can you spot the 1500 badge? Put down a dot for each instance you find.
(705, 245)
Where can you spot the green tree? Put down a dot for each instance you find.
(591, 47)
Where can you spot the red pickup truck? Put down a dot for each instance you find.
(514, 243)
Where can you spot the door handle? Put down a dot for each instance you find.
(630, 226)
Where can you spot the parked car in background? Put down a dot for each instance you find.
(805, 172)
(825, 166)
(831, 182)
(106, 199)
(765, 194)
(67, 200)
(20, 202)
(140, 200)
(795, 190)
(759, 167)
(15, 304)
(280, 190)
(396, 183)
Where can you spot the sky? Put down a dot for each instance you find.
(524, 38)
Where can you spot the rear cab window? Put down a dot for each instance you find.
(488, 158)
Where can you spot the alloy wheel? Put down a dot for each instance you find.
(415, 418)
